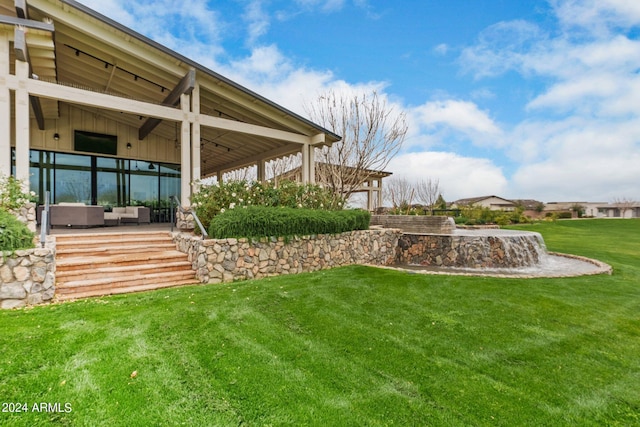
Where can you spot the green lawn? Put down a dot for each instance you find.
(354, 346)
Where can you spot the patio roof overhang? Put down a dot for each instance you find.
(80, 57)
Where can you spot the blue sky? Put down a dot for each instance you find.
(522, 99)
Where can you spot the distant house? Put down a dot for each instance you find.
(577, 209)
(619, 210)
(494, 203)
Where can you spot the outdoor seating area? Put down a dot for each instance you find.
(74, 215)
(128, 215)
(79, 215)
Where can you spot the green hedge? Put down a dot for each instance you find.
(212, 200)
(13, 234)
(260, 221)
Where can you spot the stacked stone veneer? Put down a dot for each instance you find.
(27, 277)
(225, 260)
(419, 224)
(27, 215)
(466, 251)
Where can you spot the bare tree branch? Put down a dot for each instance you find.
(277, 167)
(427, 191)
(624, 204)
(398, 191)
(372, 134)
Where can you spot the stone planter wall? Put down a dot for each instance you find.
(27, 277)
(226, 260)
(185, 221)
(415, 224)
(27, 215)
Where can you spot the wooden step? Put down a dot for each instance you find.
(81, 293)
(121, 242)
(99, 264)
(115, 249)
(132, 280)
(93, 262)
(88, 237)
(121, 271)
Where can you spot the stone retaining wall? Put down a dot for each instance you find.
(416, 224)
(27, 277)
(226, 260)
(27, 215)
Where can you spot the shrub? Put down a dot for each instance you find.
(13, 234)
(476, 215)
(212, 200)
(461, 220)
(11, 195)
(261, 221)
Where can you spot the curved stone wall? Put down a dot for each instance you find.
(471, 250)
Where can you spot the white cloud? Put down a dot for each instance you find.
(578, 159)
(461, 115)
(441, 49)
(324, 5)
(258, 21)
(449, 118)
(597, 15)
(581, 139)
(573, 178)
(459, 176)
(190, 27)
(500, 48)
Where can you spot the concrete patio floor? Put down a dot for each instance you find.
(133, 228)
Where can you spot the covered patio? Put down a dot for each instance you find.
(73, 82)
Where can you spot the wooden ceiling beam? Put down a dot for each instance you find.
(185, 86)
(21, 9)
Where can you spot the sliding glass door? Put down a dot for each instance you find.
(104, 181)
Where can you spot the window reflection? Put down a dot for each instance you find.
(72, 178)
(105, 181)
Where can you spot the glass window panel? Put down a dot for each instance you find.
(41, 171)
(111, 185)
(169, 186)
(68, 161)
(144, 184)
(73, 178)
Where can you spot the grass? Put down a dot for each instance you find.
(354, 346)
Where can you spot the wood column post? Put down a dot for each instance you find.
(185, 153)
(305, 163)
(261, 166)
(195, 139)
(5, 108)
(22, 124)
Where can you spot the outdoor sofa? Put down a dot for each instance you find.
(128, 215)
(75, 215)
